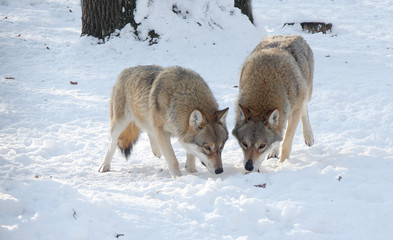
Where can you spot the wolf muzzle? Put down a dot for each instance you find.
(219, 170)
(249, 165)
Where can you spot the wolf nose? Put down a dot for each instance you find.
(249, 166)
(219, 170)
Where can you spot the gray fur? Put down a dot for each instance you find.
(164, 103)
(275, 87)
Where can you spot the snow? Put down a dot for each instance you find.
(53, 135)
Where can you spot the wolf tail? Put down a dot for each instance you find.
(127, 139)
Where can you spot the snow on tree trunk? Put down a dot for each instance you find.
(245, 7)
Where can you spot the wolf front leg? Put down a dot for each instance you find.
(190, 163)
(293, 121)
(275, 151)
(306, 126)
(164, 142)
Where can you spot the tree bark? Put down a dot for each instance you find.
(100, 18)
(245, 7)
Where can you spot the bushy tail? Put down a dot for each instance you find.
(127, 139)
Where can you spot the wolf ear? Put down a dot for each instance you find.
(221, 116)
(273, 118)
(197, 120)
(244, 114)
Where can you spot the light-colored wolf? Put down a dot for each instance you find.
(167, 102)
(274, 90)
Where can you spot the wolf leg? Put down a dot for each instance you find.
(306, 126)
(275, 151)
(190, 163)
(117, 129)
(164, 142)
(154, 146)
(293, 121)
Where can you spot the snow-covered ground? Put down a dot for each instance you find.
(53, 135)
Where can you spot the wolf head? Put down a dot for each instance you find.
(257, 138)
(206, 139)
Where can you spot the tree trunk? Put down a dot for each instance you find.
(245, 7)
(100, 18)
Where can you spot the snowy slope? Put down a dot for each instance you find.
(53, 135)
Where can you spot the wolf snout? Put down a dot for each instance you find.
(219, 170)
(249, 165)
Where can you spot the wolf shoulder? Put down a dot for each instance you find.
(178, 89)
(142, 76)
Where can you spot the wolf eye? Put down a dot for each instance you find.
(244, 144)
(207, 147)
(262, 146)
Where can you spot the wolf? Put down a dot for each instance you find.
(274, 90)
(167, 102)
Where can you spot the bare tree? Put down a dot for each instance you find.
(245, 7)
(100, 18)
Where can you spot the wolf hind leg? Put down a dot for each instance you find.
(155, 148)
(116, 131)
(190, 163)
(293, 121)
(306, 127)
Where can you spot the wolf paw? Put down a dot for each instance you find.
(272, 155)
(157, 154)
(156, 151)
(104, 168)
(283, 157)
(191, 169)
(176, 174)
(309, 140)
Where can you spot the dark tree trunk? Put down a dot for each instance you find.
(100, 18)
(245, 7)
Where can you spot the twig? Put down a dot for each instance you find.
(260, 185)
(74, 215)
